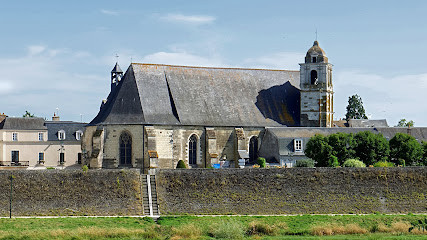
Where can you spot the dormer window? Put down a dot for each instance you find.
(298, 145)
(61, 135)
(79, 135)
(313, 59)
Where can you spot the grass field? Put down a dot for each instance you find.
(225, 227)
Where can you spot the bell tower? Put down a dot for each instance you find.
(316, 89)
(116, 76)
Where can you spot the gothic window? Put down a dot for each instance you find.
(192, 150)
(253, 149)
(125, 149)
(313, 77)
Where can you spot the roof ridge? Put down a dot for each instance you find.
(233, 68)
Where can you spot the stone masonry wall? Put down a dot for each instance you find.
(71, 192)
(293, 190)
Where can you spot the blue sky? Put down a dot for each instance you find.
(59, 54)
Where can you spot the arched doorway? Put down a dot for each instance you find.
(313, 77)
(253, 149)
(192, 150)
(125, 149)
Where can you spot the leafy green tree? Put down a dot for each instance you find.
(371, 147)
(342, 146)
(406, 147)
(28, 114)
(319, 150)
(355, 109)
(424, 145)
(404, 123)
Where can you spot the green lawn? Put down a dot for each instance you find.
(224, 227)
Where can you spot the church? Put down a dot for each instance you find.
(156, 115)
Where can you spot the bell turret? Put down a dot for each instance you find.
(116, 76)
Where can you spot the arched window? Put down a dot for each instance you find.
(125, 149)
(192, 150)
(253, 149)
(313, 75)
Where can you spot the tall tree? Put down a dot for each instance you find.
(404, 123)
(342, 146)
(371, 148)
(28, 114)
(405, 147)
(355, 109)
(319, 150)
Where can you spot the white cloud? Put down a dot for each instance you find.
(43, 80)
(182, 58)
(109, 12)
(281, 60)
(35, 49)
(190, 19)
(392, 98)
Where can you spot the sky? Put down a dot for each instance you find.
(56, 56)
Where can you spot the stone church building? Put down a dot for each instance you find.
(156, 115)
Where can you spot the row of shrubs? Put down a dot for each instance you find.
(343, 149)
(348, 163)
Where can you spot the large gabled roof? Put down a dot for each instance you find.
(185, 95)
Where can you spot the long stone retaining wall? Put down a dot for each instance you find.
(71, 192)
(293, 191)
(217, 191)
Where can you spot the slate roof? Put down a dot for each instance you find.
(23, 123)
(69, 127)
(184, 95)
(367, 123)
(117, 69)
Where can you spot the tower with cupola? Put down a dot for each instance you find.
(316, 89)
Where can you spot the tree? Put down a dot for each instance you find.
(319, 150)
(424, 145)
(370, 147)
(404, 123)
(28, 114)
(342, 146)
(406, 147)
(355, 109)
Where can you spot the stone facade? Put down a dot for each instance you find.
(316, 89)
(162, 146)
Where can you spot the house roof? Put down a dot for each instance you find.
(70, 129)
(185, 95)
(23, 123)
(367, 123)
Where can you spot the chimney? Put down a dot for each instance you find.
(55, 118)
